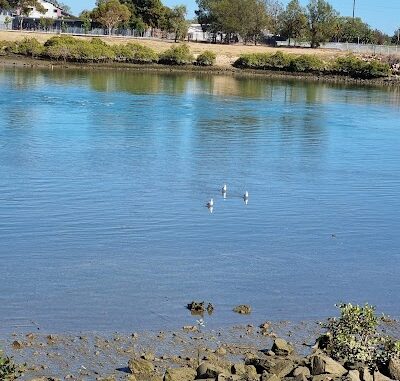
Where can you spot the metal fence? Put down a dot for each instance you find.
(350, 47)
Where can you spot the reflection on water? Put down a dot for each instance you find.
(104, 177)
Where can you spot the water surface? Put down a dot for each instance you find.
(104, 176)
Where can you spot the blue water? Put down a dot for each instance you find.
(104, 178)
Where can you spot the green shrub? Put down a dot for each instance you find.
(306, 63)
(354, 335)
(28, 47)
(207, 58)
(8, 370)
(177, 55)
(71, 49)
(357, 68)
(135, 53)
(264, 61)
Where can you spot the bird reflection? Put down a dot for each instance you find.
(211, 209)
(246, 201)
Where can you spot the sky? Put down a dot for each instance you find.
(383, 15)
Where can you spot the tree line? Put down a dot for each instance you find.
(318, 22)
(140, 15)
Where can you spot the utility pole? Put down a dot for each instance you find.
(354, 7)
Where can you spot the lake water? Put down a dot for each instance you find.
(104, 177)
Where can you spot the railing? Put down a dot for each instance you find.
(350, 47)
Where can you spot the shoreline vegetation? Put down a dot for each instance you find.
(356, 346)
(65, 51)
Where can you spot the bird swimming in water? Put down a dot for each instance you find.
(210, 203)
(224, 189)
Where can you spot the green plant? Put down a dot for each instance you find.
(357, 68)
(177, 55)
(306, 63)
(207, 58)
(28, 47)
(354, 335)
(264, 61)
(135, 53)
(8, 370)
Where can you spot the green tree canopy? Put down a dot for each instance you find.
(322, 20)
(294, 21)
(111, 13)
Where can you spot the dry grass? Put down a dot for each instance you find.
(226, 54)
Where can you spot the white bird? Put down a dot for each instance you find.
(246, 196)
(224, 188)
(210, 203)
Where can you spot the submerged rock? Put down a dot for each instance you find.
(243, 309)
(196, 307)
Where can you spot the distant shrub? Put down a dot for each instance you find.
(135, 53)
(71, 49)
(177, 55)
(264, 61)
(207, 58)
(357, 68)
(28, 47)
(306, 63)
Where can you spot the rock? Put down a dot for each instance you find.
(190, 328)
(180, 374)
(352, 375)
(251, 373)
(380, 377)
(281, 347)
(269, 377)
(221, 351)
(140, 366)
(243, 309)
(149, 356)
(210, 309)
(17, 344)
(394, 368)
(209, 370)
(281, 367)
(321, 364)
(365, 375)
(239, 369)
(323, 377)
(300, 377)
(196, 307)
(301, 370)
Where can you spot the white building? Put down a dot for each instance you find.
(195, 33)
(53, 11)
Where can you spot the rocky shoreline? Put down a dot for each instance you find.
(18, 61)
(266, 352)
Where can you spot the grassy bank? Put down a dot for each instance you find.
(97, 52)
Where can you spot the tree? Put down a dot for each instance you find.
(7, 21)
(174, 21)
(25, 8)
(46, 22)
(86, 17)
(111, 13)
(274, 10)
(321, 21)
(257, 21)
(294, 21)
(396, 37)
